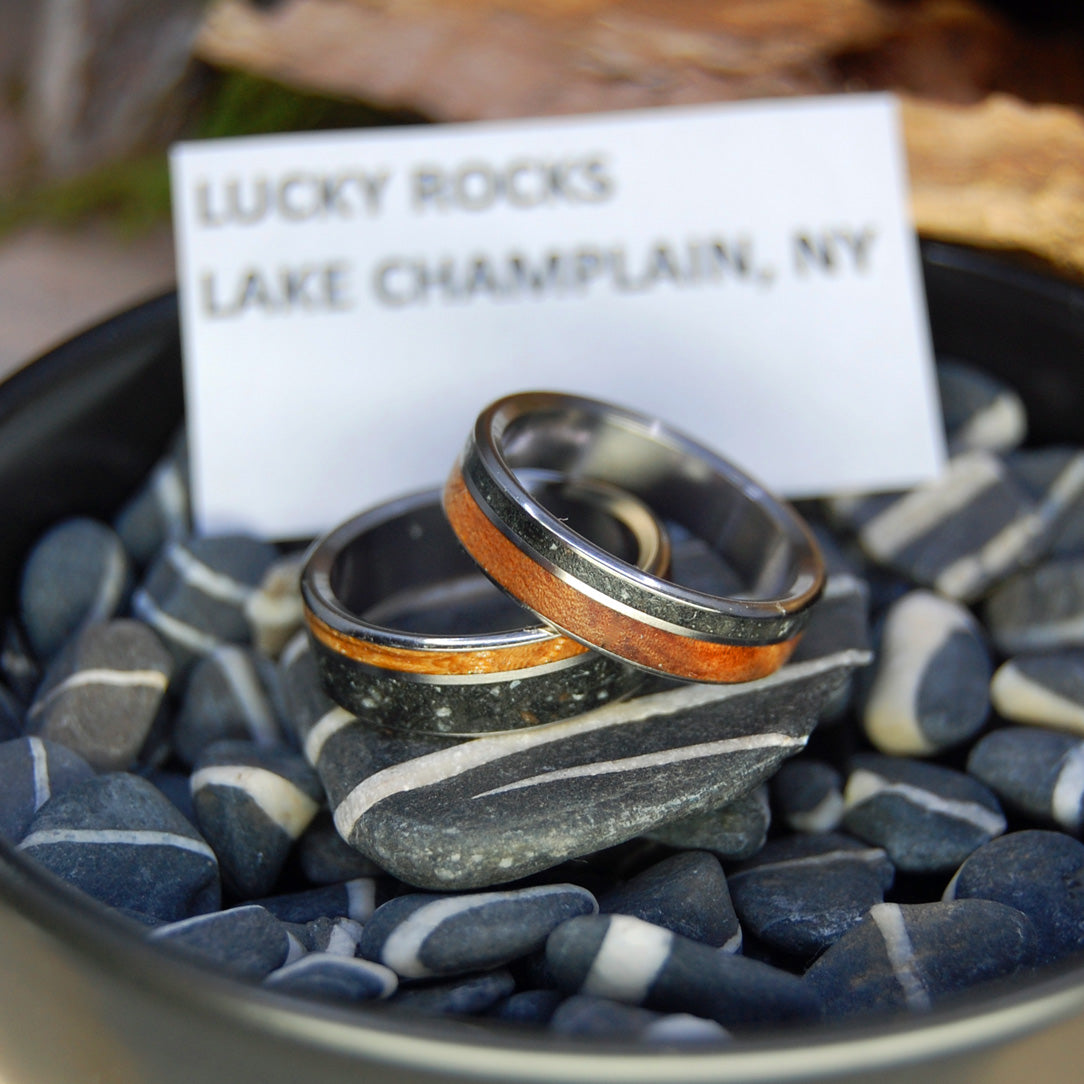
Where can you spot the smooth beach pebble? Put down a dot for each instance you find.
(600, 1017)
(1039, 873)
(103, 693)
(18, 668)
(930, 687)
(356, 899)
(635, 962)
(1055, 478)
(12, 715)
(1046, 689)
(252, 803)
(160, 510)
(912, 956)
(78, 573)
(686, 893)
(325, 858)
(421, 936)
(248, 942)
(327, 977)
(928, 818)
(120, 840)
(232, 692)
(339, 935)
(476, 813)
(1038, 609)
(274, 611)
(801, 893)
(979, 410)
(470, 996)
(33, 770)
(194, 594)
(733, 831)
(1034, 771)
(807, 795)
(961, 532)
(528, 1006)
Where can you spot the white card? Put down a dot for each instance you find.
(351, 300)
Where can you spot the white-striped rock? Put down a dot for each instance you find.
(1045, 689)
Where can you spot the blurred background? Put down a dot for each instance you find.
(93, 92)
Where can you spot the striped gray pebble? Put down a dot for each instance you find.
(308, 709)
(194, 594)
(930, 686)
(914, 956)
(686, 893)
(76, 574)
(232, 692)
(635, 962)
(1039, 873)
(979, 410)
(103, 693)
(338, 935)
(470, 996)
(735, 830)
(160, 510)
(274, 611)
(961, 532)
(33, 770)
(327, 977)
(807, 795)
(356, 899)
(252, 803)
(494, 809)
(1034, 771)
(1039, 609)
(802, 893)
(1055, 478)
(928, 818)
(1045, 689)
(120, 840)
(421, 936)
(246, 942)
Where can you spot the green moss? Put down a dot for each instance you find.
(133, 193)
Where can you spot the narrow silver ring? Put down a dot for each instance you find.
(596, 597)
(409, 634)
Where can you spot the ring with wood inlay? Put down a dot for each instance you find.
(603, 601)
(408, 634)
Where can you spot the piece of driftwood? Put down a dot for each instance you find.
(991, 163)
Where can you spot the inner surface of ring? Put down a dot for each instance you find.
(760, 562)
(410, 573)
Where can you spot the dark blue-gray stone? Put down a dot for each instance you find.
(77, 573)
(1046, 689)
(930, 686)
(33, 770)
(632, 961)
(252, 802)
(928, 818)
(326, 977)
(807, 795)
(495, 809)
(528, 1007)
(471, 996)
(686, 893)
(802, 893)
(735, 830)
(586, 1016)
(1034, 771)
(231, 693)
(356, 899)
(18, 667)
(1054, 475)
(12, 715)
(325, 858)
(421, 935)
(120, 840)
(1038, 609)
(1039, 873)
(160, 509)
(247, 942)
(916, 956)
(103, 693)
(335, 934)
(194, 594)
(979, 410)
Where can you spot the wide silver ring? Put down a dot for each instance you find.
(596, 597)
(409, 635)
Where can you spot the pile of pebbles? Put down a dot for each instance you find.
(860, 840)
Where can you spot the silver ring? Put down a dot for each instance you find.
(409, 635)
(596, 597)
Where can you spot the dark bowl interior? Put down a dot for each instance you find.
(79, 429)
